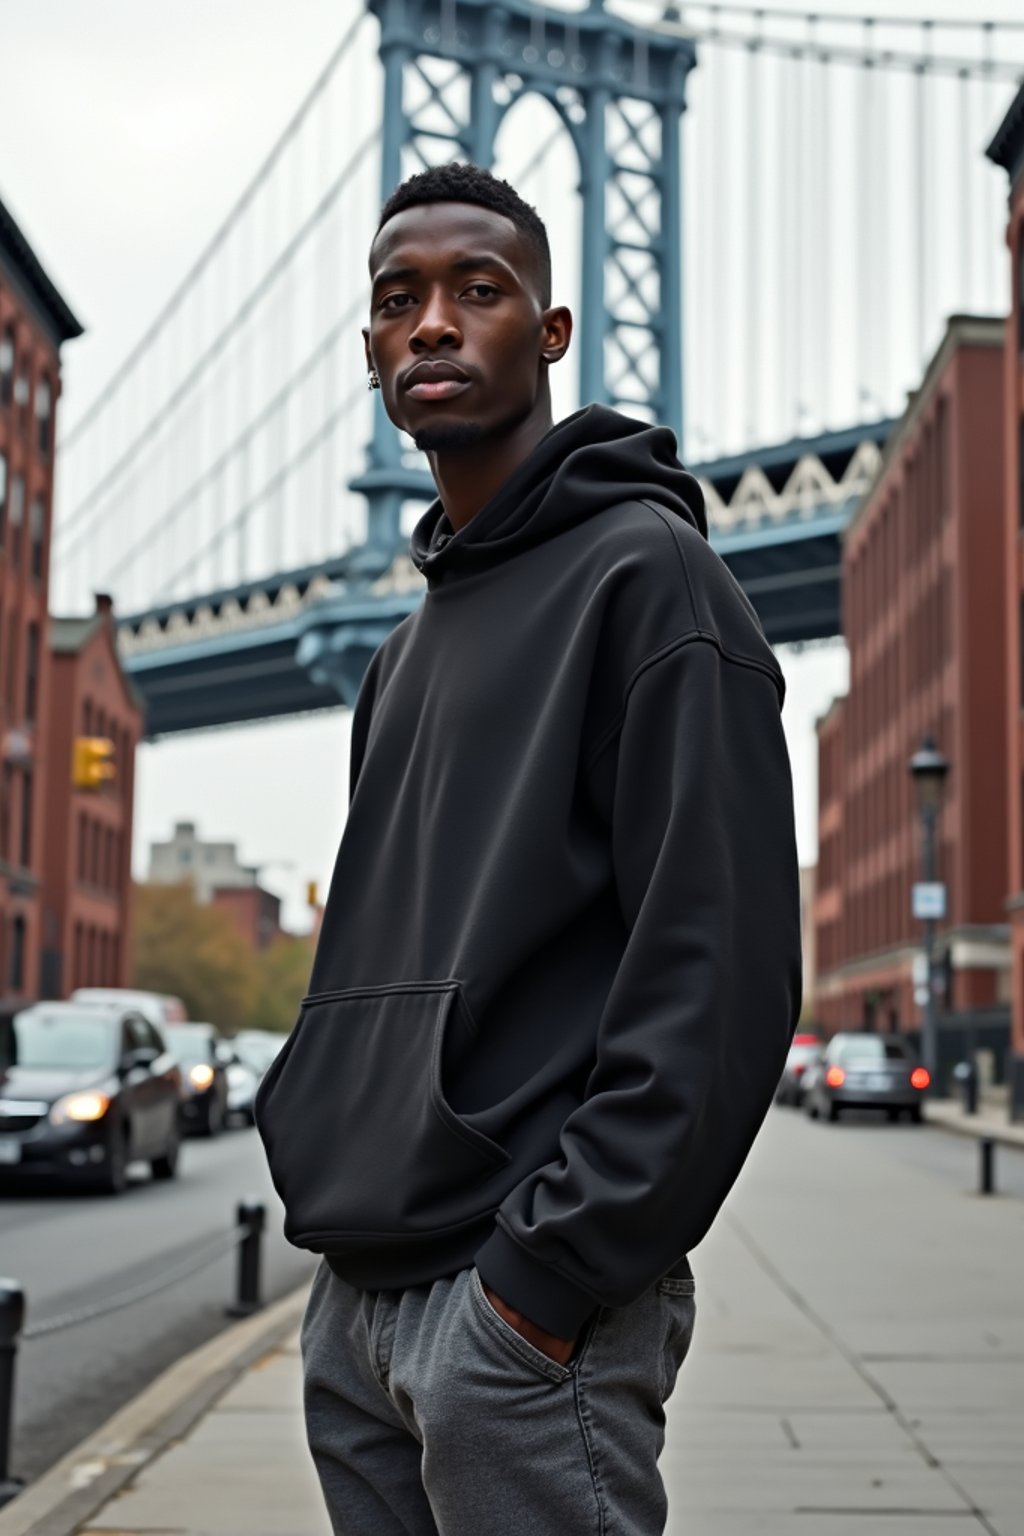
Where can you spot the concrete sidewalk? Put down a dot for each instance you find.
(858, 1368)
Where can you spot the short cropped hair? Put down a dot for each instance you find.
(467, 183)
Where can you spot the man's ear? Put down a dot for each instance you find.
(366, 347)
(556, 333)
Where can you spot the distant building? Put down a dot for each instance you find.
(256, 912)
(217, 877)
(87, 883)
(34, 323)
(207, 867)
(1007, 150)
(922, 559)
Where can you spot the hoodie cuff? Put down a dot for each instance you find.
(532, 1288)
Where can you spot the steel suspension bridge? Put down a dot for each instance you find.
(770, 280)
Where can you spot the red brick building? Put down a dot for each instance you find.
(922, 559)
(87, 912)
(34, 322)
(1007, 150)
(256, 912)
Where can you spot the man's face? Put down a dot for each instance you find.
(458, 332)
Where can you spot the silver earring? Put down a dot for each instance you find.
(374, 380)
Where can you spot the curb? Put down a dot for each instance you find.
(77, 1486)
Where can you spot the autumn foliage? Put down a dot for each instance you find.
(196, 953)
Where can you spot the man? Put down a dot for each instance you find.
(559, 965)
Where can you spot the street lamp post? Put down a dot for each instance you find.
(928, 769)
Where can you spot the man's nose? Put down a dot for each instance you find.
(436, 326)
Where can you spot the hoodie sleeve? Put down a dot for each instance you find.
(696, 1027)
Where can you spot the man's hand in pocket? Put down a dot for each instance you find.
(559, 1350)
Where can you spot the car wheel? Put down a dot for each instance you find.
(916, 1114)
(811, 1107)
(833, 1113)
(894, 1115)
(166, 1167)
(114, 1179)
(214, 1118)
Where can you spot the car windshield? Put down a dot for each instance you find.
(189, 1045)
(872, 1049)
(47, 1038)
(258, 1053)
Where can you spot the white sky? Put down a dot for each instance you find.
(129, 128)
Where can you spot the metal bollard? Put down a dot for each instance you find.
(12, 1315)
(987, 1171)
(252, 1215)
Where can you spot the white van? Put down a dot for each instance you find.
(159, 1007)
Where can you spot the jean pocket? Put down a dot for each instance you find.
(519, 1350)
(679, 1308)
(360, 1138)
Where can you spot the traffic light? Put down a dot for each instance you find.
(312, 894)
(93, 764)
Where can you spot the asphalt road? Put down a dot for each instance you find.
(69, 1251)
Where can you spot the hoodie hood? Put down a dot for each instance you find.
(593, 460)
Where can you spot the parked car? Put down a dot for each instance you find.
(243, 1081)
(257, 1047)
(858, 1071)
(159, 1007)
(804, 1050)
(204, 1105)
(84, 1091)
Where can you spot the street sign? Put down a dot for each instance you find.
(928, 899)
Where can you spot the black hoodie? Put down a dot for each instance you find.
(559, 967)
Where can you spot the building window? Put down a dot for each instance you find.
(87, 718)
(31, 670)
(22, 395)
(25, 850)
(6, 792)
(17, 516)
(1020, 288)
(36, 537)
(16, 975)
(7, 366)
(44, 416)
(83, 833)
(3, 499)
(12, 662)
(79, 979)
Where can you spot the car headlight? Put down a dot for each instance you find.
(92, 1105)
(200, 1076)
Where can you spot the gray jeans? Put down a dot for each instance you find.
(428, 1415)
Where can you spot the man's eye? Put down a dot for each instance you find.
(395, 301)
(482, 290)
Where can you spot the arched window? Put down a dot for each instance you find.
(44, 415)
(3, 499)
(7, 366)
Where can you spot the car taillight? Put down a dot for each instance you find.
(920, 1077)
(835, 1077)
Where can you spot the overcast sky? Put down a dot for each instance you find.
(129, 127)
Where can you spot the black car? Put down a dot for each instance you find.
(865, 1071)
(84, 1091)
(204, 1077)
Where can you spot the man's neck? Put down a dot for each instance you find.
(468, 478)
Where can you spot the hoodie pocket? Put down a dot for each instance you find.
(360, 1138)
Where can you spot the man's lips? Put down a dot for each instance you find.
(435, 380)
(437, 389)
